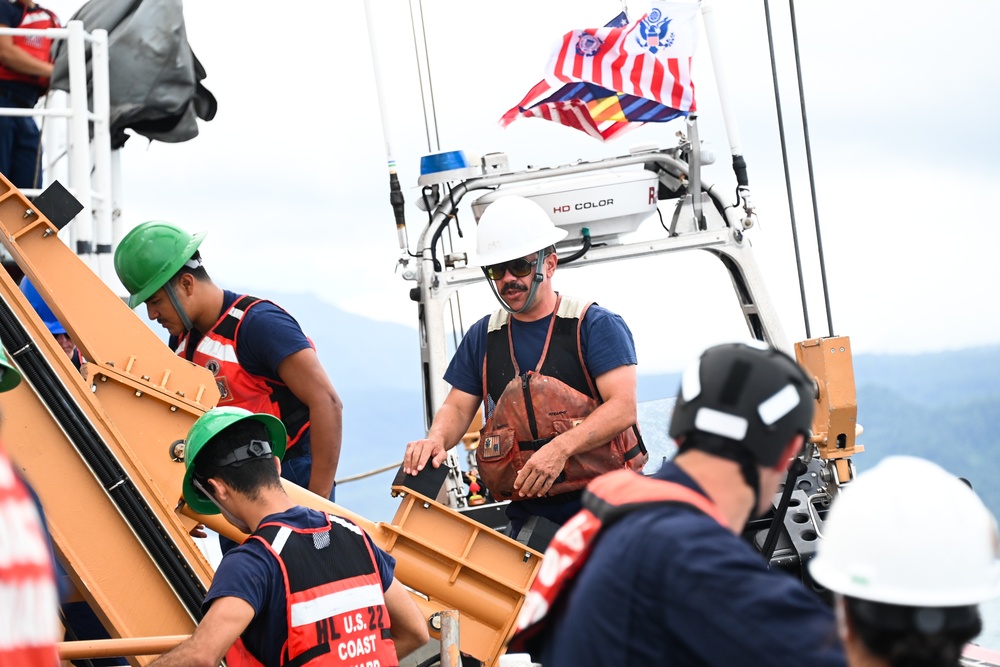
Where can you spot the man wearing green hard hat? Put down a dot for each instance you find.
(30, 622)
(304, 583)
(261, 359)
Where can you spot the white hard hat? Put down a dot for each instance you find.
(909, 533)
(513, 227)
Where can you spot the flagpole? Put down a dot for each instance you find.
(395, 192)
(732, 131)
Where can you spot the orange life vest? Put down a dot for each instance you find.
(36, 46)
(535, 407)
(336, 608)
(606, 500)
(216, 351)
(29, 619)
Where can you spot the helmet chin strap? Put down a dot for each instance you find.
(181, 313)
(536, 281)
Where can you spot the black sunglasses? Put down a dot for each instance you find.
(518, 268)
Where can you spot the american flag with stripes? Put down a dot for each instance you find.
(607, 80)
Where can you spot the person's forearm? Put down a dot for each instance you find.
(600, 426)
(20, 61)
(449, 425)
(184, 655)
(326, 437)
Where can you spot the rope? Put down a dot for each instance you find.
(370, 473)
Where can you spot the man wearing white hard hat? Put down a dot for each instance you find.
(556, 376)
(910, 551)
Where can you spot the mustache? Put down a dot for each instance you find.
(513, 288)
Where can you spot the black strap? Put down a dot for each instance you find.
(635, 451)
(307, 655)
(534, 445)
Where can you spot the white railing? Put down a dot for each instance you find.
(81, 163)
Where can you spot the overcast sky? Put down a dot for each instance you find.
(290, 179)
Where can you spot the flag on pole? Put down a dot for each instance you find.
(608, 80)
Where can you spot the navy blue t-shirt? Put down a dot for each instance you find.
(249, 572)
(268, 335)
(606, 343)
(605, 339)
(669, 586)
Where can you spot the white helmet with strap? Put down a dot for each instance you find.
(909, 533)
(513, 227)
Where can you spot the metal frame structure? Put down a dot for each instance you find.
(699, 223)
(80, 154)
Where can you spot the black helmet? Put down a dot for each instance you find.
(748, 397)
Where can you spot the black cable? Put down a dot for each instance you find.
(101, 461)
(784, 160)
(581, 252)
(809, 167)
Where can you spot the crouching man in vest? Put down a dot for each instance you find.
(306, 588)
(653, 571)
(556, 377)
(260, 357)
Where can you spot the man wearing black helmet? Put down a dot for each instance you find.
(653, 570)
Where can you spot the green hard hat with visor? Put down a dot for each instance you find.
(207, 427)
(150, 255)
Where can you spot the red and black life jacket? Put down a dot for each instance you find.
(36, 18)
(216, 351)
(533, 408)
(30, 614)
(607, 499)
(336, 608)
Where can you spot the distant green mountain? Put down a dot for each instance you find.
(944, 406)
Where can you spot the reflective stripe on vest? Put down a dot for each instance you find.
(29, 602)
(534, 407)
(36, 46)
(333, 594)
(606, 500)
(216, 351)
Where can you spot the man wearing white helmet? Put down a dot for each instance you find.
(556, 376)
(910, 551)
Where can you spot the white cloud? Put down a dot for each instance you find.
(290, 178)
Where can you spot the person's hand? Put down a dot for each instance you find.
(198, 531)
(540, 471)
(419, 451)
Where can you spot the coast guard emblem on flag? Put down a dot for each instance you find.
(588, 45)
(653, 31)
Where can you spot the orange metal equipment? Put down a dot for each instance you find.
(835, 426)
(97, 448)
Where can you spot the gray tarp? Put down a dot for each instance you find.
(156, 86)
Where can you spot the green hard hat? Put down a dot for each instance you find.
(150, 255)
(207, 427)
(9, 376)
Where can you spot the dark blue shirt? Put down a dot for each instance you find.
(605, 340)
(268, 335)
(669, 586)
(606, 343)
(249, 572)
